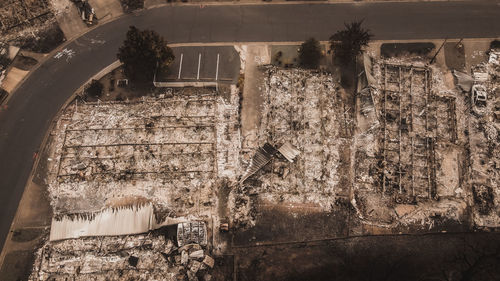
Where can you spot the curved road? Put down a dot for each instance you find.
(25, 121)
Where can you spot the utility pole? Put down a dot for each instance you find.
(434, 57)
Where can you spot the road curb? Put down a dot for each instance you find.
(203, 4)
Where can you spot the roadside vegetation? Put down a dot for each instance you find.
(143, 53)
(310, 54)
(132, 5)
(347, 45)
(94, 89)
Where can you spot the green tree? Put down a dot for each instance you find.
(310, 53)
(347, 44)
(144, 52)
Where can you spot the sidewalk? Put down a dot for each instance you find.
(155, 3)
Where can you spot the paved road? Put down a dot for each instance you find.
(23, 124)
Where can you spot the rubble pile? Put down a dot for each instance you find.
(407, 155)
(4, 62)
(484, 127)
(168, 150)
(301, 108)
(137, 257)
(22, 18)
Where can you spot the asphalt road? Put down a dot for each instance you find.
(25, 121)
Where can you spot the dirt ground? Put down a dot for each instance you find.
(251, 97)
(278, 223)
(455, 55)
(431, 257)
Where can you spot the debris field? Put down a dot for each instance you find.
(22, 17)
(302, 110)
(406, 167)
(419, 155)
(168, 150)
(136, 257)
(484, 137)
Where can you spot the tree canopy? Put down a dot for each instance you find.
(310, 53)
(347, 44)
(144, 52)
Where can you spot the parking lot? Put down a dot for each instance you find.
(203, 64)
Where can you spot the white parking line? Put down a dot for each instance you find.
(217, 69)
(180, 66)
(199, 63)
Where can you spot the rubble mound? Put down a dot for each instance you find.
(137, 257)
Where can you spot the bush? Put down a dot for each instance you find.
(495, 44)
(131, 5)
(310, 54)
(4, 62)
(94, 89)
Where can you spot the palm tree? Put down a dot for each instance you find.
(347, 44)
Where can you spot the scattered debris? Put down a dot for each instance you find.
(301, 108)
(208, 260)
(191, 232)
(288, 151)
(464, 81)
(136, 257)
(173, 148)
(260, 159)
(483, 131)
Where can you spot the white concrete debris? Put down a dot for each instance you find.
(484, 146)
(442, 197)
(167, 151)
(121, 168)
(301, 108)
(288, 151)
(135, 257)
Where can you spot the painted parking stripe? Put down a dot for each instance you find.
(199, 63)
(180, 66)
(217, 69)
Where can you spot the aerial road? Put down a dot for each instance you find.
(24, 122)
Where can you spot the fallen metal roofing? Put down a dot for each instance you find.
(260, 159)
